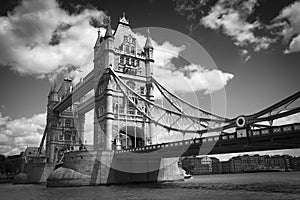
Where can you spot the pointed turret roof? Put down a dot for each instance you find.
(148, 43)
(108, 29)
(123, 20)
(99, 38)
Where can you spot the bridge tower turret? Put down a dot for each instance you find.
(61, 134)
(103, 117)
(52, 119)
(148, 49)
(117, 124)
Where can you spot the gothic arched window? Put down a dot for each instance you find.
(127, 48)
(132, 50)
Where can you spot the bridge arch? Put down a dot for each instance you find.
(130, 137)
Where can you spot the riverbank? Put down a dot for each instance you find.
(252, 186)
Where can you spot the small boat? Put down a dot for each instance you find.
(186, 175)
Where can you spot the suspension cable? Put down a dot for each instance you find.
(148, 103)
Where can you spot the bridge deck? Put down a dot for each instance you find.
(257, 140)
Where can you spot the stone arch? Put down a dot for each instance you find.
(59, 152)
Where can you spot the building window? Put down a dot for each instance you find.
(127, 48)
(122, 59)
(116, 108)
(130, 109)
(142, 90)
(61, 137)
(67, 136)
(132, 61)
(132, 50)
(121, 109)
(68, 123)
(127, 60)
(137, 62)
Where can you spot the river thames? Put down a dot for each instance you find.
(279, 185)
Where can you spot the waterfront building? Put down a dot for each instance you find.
(240, 164)
(198, 165)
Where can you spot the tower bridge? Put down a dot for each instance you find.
(126, 118)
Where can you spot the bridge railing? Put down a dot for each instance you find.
(232, 136)
(83, 80)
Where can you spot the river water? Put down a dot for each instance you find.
(279, 185)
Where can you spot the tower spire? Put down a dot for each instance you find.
(108, 30)
(148, 43)
(99, 38)
(123, 20)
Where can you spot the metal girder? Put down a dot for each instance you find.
(167, 118)
(184, 106)
(281, 109)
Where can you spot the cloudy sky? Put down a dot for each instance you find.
(254, 45)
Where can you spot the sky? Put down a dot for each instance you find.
(253, 53)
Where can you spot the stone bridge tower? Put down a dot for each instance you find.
(117, 124)
(61, 134)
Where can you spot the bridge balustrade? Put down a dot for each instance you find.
(277, 130)
(265, 131)
(297, 127)
(287, 128)
(252, 133)
(255, 132)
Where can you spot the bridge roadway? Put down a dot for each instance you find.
(273, 138)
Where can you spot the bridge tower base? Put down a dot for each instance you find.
(105, 168)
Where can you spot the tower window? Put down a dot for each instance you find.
(132, 61)
(61, 137)
(127, 49)
(121, 109)
(67, 136)
(137, 62)
(131, 109)
(116, 108)
(68, 123)
(142, 90)
(132, 50)
(122, 59)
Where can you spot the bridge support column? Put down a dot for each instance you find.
(105, 168)
(96, 132)
(80, 127)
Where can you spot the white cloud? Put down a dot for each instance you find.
(294, 45)
(291, 30)
(17, 134)
(189, 78)
(232, 19)
(244, 53)
(38, 37)
(193, 78)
